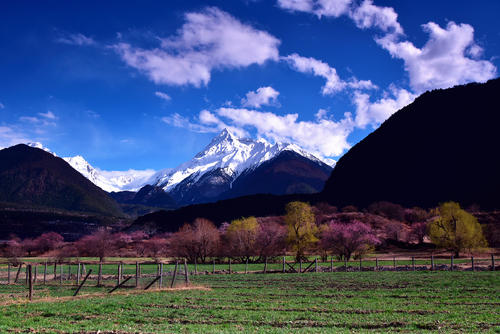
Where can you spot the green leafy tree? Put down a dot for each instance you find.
(302, 229)
(456, 230)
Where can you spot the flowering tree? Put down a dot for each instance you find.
(48, 241)
(346, 240)
(271, 239)
(197, 241)
(99, 244)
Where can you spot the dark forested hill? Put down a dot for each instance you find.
(444, 146)
(34, 178)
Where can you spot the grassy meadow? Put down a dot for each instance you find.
(421, 301)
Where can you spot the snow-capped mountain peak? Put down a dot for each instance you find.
(130, 180)
(229, 153)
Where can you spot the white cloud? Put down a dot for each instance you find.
(49, 115)
(261, 97)
(163, 96)
(2, 106)
(210, 39)
(321, 114)
(443, 61)
(205, 123)
(318, 68)
(76, 39)
(374, 113)
(367, 15)
(334, 8)
(323, 137)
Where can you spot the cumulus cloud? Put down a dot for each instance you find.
(163, 96)
(262, 96)
(367, 15)
(448, 58)
(374, 113)
(318, 68)
(209, 39)
(323, 137)
(76, 39)
(2, 106)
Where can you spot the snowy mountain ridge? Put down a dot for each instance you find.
(129, 180)
(226, 154)
(230, 154)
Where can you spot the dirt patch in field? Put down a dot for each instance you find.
(102, 294)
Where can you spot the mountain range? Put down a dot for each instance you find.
(227, 167)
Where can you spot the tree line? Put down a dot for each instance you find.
(305, 229)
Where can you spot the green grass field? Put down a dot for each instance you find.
(272, 303)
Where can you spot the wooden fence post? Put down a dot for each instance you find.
(345, 264)
(136, 274)
(284, 260)
(83, 282)
(161, 275)
(45, 272)
(265, 264)
(186, 271)
(246, 266)
(18, 272)
(213, 267)
(175, 274)
(413, 262)
(61, 272)
(360, 266)
(492, 262)
(99, 274)
(229, 265)
(27, 273)
(451, 263)
(472, 261)
(394, 262)
(69, 272)
(376, 263)
(30, 282)
(300, 266)
(432, 262)
(78, 273)
(8, 273)
(55, 271)
(331, 264)
(34, 278)
(195, 267)
(316, 265)
(119, 273)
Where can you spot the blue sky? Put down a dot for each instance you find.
(147, 85)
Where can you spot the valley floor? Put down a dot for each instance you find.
(273, 303)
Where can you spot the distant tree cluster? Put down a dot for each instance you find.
(303, 230)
